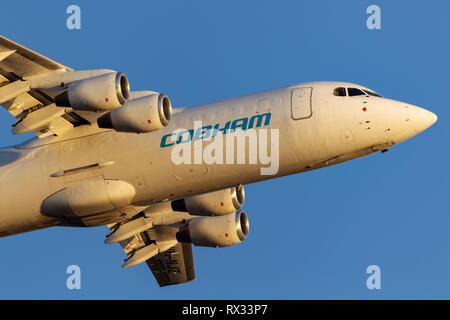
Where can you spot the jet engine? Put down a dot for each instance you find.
(222, 231)
(144, 114)
(100, 93)
(214, 203)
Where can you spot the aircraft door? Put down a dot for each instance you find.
(301, 103)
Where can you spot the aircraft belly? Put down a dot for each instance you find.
(22, 185)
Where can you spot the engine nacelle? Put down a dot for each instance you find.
(222, 231)
(144, 114)
(214, 203)
(101, 93)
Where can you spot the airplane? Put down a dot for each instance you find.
(106, 155)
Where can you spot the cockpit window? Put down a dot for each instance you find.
(355, 92)
(340, 92)
(371, 93)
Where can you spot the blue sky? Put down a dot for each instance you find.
(312, 235)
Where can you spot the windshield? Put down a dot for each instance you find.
(355, 92)
(371, 93)
(352, 92)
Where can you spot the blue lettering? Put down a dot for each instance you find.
(202, 133)
(190, 133)
(164, 140)
(243, 124)
(207, 131)
(259, 122)
(225, 129)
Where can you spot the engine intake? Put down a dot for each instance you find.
(101, 93)
(222, 231)
(144, 114)
(214, 203)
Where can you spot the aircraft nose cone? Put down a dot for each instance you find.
(408, 120)
(422, 119)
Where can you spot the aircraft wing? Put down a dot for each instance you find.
(34, 109)
(170, 261)
(174, 266)
(23, 61)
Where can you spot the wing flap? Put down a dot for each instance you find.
(170, 261)
(174, 266)
(13, 89)
(39, 119)
(20, 104)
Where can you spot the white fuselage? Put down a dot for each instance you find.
(338, 129)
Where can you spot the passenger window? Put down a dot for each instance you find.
(355, 92)
(340, 92)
